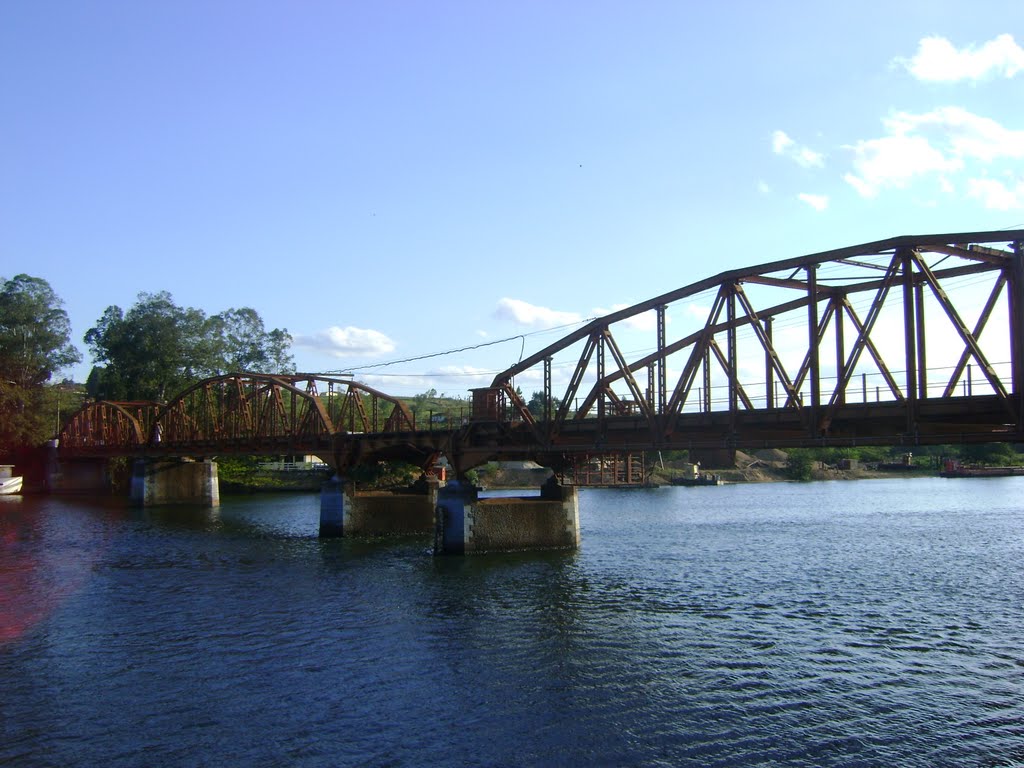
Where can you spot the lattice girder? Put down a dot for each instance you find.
(895, 280)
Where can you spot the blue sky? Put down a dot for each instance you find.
(391, 180)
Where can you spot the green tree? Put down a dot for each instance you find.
(157, 348)
(34, 344)
(535, 405)
(243, 344)
(150, 352)
(799, 465)
(991, 454)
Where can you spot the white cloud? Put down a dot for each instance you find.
(764, 188)
(526, 314)
(941, 142)
(347, 342)
(893, 161)
(995, 195)
(700, 311)
(780, 142)
(965, 134)
(937, 60)
(817, 202)
(801, 155)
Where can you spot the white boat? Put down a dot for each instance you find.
(9, 482)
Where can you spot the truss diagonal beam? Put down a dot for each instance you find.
(969, 339)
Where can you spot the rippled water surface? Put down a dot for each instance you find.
(874, 623)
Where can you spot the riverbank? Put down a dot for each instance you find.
(772, 466)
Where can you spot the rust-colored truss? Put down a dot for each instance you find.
(847, 305)
(108, 424)
(240, 412)
(911, 339)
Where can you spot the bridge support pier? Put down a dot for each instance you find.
(79, 475)
(347, 512)
(467, 524)
(174, 482)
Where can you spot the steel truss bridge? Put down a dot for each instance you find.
(909, 341)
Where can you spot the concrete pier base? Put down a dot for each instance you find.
(347, 512)
(174, 482)
(466, 523)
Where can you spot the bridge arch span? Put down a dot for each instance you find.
(105, 426)
(250, 412)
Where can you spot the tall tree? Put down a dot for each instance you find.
(244, 344)
(157, 348)
(34, 344)
(35, 334)
(152, 351)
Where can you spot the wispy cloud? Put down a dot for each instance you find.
(522, 313)
(947, 152)
(942, 142)
(996, 195)
(938, 61)
(347, 342)
(817, 202)
(803, 156)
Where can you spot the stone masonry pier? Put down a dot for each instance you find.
(466, 523)
(345, 511)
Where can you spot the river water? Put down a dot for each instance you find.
(869, 623)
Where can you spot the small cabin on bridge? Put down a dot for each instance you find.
(486, 403)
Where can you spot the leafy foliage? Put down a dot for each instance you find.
(242, 343)
(536, 405)
(35, 334)
(383, 474)
(990, 454)
(799, 465)
(157, 348)
(442, 411)
(34, 345)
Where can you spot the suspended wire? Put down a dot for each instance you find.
(744, 333)
(521, 336)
